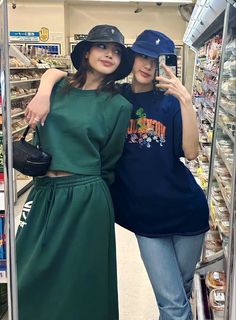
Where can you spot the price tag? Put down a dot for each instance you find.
(200, 171)
(219, 296)
(225, 223)
(209, 135)
(216, 275)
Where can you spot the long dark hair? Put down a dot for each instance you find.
(78, 79)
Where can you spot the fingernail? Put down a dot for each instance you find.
(42, 124)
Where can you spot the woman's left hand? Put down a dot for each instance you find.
(172, 85)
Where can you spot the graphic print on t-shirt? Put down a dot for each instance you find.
(144, 131)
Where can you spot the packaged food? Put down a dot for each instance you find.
(218, 199)
(224, 227)
(216, 280)
(213, 241)
(217, 300)
(210, 255)
(222, 213)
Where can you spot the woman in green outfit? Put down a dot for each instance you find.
(65, 242)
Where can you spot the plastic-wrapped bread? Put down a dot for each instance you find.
(222, 212)
(224, 227)
(217, 300)
(216, 280)
(213, 241)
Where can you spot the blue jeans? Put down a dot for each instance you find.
(170, 263)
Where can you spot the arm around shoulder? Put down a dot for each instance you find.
(38, 108)
(113, 148)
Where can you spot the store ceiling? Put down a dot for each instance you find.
(164, 2)
(143, 1)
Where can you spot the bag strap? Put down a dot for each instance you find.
(37, 134)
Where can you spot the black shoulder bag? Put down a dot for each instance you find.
(29, 159)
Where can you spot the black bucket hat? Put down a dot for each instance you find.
(105, 33)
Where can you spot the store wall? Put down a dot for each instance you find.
(63, 21)
(30, 16)
(164, 18)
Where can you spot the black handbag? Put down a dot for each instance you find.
(30, 159)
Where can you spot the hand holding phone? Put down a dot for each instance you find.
(168, 59)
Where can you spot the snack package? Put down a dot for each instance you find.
(216, 280)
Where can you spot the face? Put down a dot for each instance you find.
(104, 58)
(144, 69)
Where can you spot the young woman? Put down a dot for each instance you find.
(65, 242)
(154, 194)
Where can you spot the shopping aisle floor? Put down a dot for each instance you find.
(136, 299)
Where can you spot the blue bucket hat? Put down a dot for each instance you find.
(152, 43)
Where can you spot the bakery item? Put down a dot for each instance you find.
(217, 300)
(213, 241)
(216, 280)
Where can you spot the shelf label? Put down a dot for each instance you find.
(219, 296)
(80, 36)
(24, 36)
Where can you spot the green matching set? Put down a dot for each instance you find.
(65, 243)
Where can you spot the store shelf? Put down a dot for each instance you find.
(40, 67)
(226, 131)
(215, 106)
(24, 68)
(3, 277)
(5, 316)
(222, 190)
(23, 185)
(20, 129)
(202, 307)
(2, 201)
(23, 96)
(221, 154)
(231, 112)
(17, 114)
(211, 73)
(24, 81)
(199, 298)
(205, 262)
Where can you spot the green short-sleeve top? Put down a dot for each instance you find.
(85, 131)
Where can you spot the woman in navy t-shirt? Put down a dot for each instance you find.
(155, 195)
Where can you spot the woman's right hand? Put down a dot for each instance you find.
(38, 109)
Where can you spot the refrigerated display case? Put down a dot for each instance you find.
(211, 33)
(40, 49)
(180, 59)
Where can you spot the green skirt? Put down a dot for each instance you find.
(66, 258)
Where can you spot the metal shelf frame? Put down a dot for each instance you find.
(8, 172)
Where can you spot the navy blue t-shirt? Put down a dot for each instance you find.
(154, 193)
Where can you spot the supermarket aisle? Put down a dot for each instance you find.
(136, 299)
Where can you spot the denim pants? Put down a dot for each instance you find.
(170, 263)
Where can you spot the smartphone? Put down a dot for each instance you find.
(170, 60)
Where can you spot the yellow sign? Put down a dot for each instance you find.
(44, 34)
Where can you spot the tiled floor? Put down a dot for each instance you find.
(136, 299)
